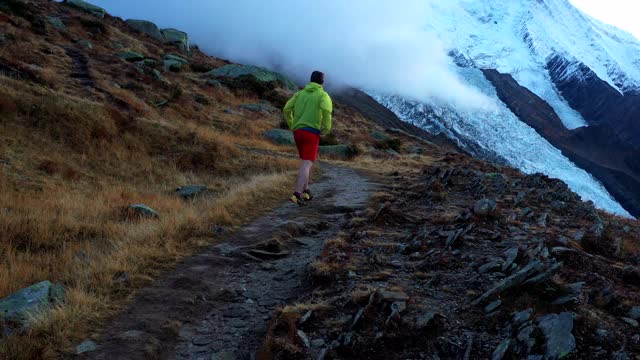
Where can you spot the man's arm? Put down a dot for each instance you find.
(326, 105)
(288, 110)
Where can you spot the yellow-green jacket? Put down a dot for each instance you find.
(310, 108)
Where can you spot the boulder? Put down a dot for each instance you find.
(557, 330)
(86, 7)
(17, 307)
(280, 136)
(145, 27)
(260, 75)
(141, 210)
(131, 56)
(56, 22)
(339, 151)
(379, 135)
(176, 37)
(173, 65)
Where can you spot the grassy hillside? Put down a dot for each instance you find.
(84, 133)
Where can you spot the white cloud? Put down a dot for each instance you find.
(377, 45)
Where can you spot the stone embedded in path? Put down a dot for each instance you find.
(261, 254)
(634, 313)
(17, 307)
(522, 316)
(86, 7)
(492, 307)
(202, 340)
(632, 322)
(557, 330)
(511, 256)
(146, 27)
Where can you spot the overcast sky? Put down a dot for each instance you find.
(620, 13)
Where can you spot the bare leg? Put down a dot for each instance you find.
(303, 176)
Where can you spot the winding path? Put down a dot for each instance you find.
(217, 304)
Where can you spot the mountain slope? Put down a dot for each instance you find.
(585, 72)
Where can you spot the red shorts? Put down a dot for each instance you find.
(307, 143)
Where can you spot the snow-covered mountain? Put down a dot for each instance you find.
(587, 71)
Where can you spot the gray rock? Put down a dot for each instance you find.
(176, 37)
(17, 307)
(579, 235)
(501, 350)
(260, 107)
(191, 191)
(304, 339)
(542, 221)
(634, 313)
(557, 330)
(522, 316)
(56, 22)
(176, 58)
(492, 307)
(131, 56)
(392, 296)
(143, 211)
(86, 7)
(157, 75)
(146, 27)
(489, 267)
(257, 74)
(511, 256)
(526, 338)
(280, 136)
(317, 343)
(525, 212)
(484, 207)
(632, 322)
(519, 197)
(427, 319)
(85, 43)
(172, 65)
(85, 347)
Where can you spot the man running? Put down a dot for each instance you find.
(308, 114)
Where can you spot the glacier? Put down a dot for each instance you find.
(500, 132)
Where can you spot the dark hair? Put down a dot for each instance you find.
(317, 77)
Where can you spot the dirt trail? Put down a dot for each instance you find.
(218, 304)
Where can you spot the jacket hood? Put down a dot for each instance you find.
(311, 87)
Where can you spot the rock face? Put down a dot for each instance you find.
(280, 136)
(86, 7)
(176, 37)
(257, 74)
(16, 307)
(598, 149)
(146, 27)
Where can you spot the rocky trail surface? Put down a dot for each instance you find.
(217, 305)
(466, 260)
